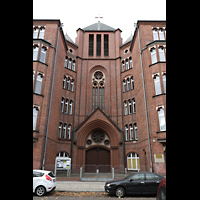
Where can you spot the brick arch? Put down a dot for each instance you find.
(110, 130)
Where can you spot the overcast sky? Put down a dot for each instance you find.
(121, 14)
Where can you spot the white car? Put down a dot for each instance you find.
(43, 181)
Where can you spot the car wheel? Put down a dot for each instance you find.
(40, 190)
(120, 192)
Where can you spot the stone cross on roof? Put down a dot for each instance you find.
(99, 17)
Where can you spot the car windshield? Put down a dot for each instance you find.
(129, 176)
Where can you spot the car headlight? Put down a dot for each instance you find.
(108, 184)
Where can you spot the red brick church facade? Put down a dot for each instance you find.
(99, 100)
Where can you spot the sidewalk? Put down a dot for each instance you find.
(78, 186)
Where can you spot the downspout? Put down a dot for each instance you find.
(145, 100)
(45, 145)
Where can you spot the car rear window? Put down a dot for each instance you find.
(51, 174)
(37, 174)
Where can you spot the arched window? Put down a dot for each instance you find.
(131, 131)
(124, 85)
(161, 117)
(128, 84)
(64, 131)
(66, 59)
(70, 107)
(98, 90)
(72, 85)
(69, 65)
(68, 83)
(127, 65)
(135, 129)
(126, 132)
(60, 130)
(131, 63)
(125, 108)
(69, 131)
(132, 83)
(157, 83)
(133, 161)
(153, 55)
(66, 106)
(62, 104)
(64, 81)
(134, 107)
(35, 114)
(161, 53)
(123, 66)
(129, 107)
(38, 84)
(73, 65)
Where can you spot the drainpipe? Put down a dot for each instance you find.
(45, 145)
(145, 100)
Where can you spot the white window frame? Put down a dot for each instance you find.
(70, 107)
(135, 130)
(161, 53)
(38, 84)
(125, 108)
(161, 34)
(153, 55)
(69, 131)
(60, 130)
(35, 114)
(43, 54)
(133, 156)
(129, 107)
(155, 34)
(126, 132)
(161, 118)
(157, 84)
(131, 131)
(134, 107)
(164, 81)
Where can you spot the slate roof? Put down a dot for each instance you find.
(98, 27)
(129, 39)
(70, 40)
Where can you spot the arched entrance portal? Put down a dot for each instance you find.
(97, 157)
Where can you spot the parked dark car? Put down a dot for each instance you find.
(137, 183)
(161, 194)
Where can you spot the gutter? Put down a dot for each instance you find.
(145, 100)
(45, 145)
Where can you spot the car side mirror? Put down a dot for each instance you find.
(131, 180)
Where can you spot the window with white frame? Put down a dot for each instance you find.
(41, 35)
(35, 52)
(129, 107)
(161, 53)
(69, 64)
(60, 130)
(68, 83)
(62, 104)
(72, 85)
(43, 54)
(135, 129)
(62, 154)
(132, 83)
(125, 108)
(66, 106)
(70, 107)
(38, 84)
(66, 59)
(123, 66)
(161, 34)
(131, 63)
(161, 117)
(131, 131)
(153, 55)
(69, 131)
(64, 131)
(134, 107)
(164, 81)
(35, 32)
(126, 132)
(73, 65)
(155, 34)
(128, 84)
(35, 114)
(64, 81)
(124, 85)
(127, 65)
(157, 84)
(133, 161)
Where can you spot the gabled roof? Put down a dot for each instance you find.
(129, 39)
(70, 40)
(98, 27)
(93, 113)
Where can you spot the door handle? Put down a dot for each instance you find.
(142, 182)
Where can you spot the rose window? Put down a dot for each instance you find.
(98, 136)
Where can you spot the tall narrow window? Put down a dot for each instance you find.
(98, 45)
(125, 108)
(35, 52)
(38, 85)
(131, 63)
(91, 44)
(164, 81)
(60, 130)
(124, 85)
(35, 113)
(129, 107)
(68, 83)
(64, 131)
(72, 85)
(43, 54)
(161, 117)
(66, 106)
(126, 132)
(62, 104)
(132, 83)
(123, 69)
(73, 65)
(41, 35)
(161, 53)
(157, 84)
(134, 107)
(155, 34)
(35, 33)
(106, 45)
(66, 59)
(161, 34)
(69, 131)
(69, 65)
(127, 65)
(64, 81)
(70, 107)
(128, 84)
(131, 131)
(101, 98)
(153, 56)
(135, 129)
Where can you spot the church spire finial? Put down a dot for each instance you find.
(99, 17)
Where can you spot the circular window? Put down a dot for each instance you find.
(106, 142)
(98, 136)
(89, 142)
(98, 75)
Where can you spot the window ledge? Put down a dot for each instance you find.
(158, 95)
(40, 62)
(157, 63)
(38, 94)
